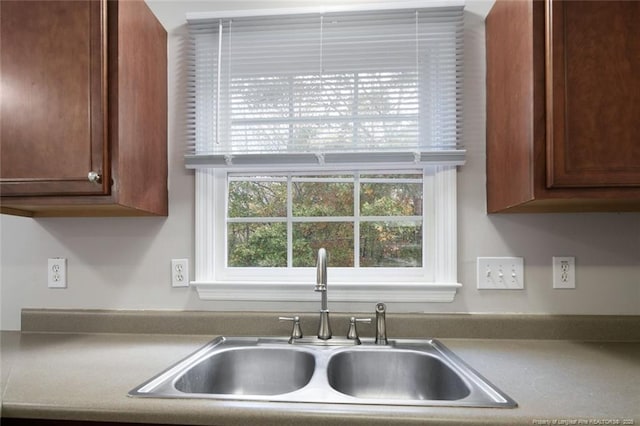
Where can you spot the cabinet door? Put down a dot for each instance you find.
(53, 107)
(593, 94)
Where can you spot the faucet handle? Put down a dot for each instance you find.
(296, 331)
(352, 334)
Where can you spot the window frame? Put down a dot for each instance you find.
(253, 291)
(289, 218)
(214, 281)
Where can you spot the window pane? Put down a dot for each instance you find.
(384, 199)
(322, 199)
(383, 242)
(336, 237)
(257, 199)
(390, 244)
(257, 244)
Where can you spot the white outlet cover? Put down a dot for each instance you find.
(564, 272)
(57, 272)
(180, 272)
(500, 273)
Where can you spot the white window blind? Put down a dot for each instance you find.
(333, 89)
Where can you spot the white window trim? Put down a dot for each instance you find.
(212, 284)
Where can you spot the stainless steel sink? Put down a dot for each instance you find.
(249, 371)
(397, 374)
(405, 372)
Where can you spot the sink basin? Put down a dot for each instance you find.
(395, 374)
(405, 372)
(249, 371)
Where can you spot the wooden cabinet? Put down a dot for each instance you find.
(563, 106)
(84, 89)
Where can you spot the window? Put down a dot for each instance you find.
(338, 129)
(363, 219)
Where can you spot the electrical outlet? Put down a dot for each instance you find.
(506, 273)
(57, 272)
(564, 272)
(180, 272)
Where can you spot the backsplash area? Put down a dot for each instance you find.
(124, 263)
(618, 328)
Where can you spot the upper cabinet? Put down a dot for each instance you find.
(84, 109)
(563, 106)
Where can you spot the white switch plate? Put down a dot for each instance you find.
(504, 273)
(180, 272)
(57, 272)
(564, 272)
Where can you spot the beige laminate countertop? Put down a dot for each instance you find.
(87, 377)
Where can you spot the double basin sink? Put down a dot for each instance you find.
(405, 372)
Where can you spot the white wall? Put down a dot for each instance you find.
(123, 263)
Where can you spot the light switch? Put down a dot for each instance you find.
(504, 273)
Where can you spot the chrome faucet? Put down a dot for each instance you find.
(324, 328)
(381, 324)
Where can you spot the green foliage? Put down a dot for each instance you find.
(387, 243)
(257, 199)
(383, 199)
(316, 199)
(261, 245)
(337, 238)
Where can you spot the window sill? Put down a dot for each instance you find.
(338, 292)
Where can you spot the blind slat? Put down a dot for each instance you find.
(334, 88)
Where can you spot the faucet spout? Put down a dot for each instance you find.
(381, 324)
(324, 327)
(321, 274)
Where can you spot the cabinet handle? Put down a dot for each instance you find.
(94, 177)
